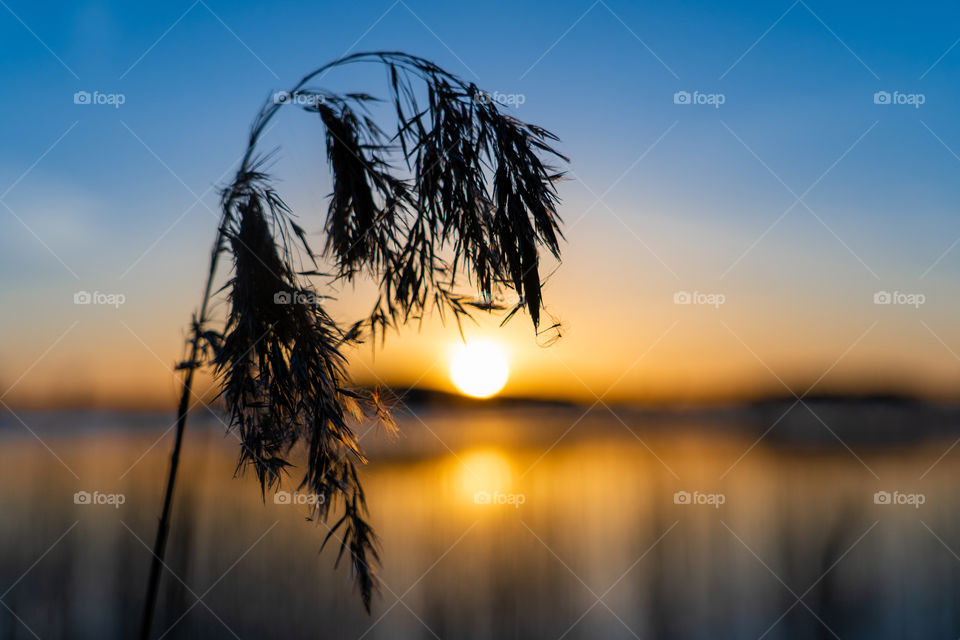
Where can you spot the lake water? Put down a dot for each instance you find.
(504, 522)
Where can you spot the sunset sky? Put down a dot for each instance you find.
(827, 173)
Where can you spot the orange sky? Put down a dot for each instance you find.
(624, 340)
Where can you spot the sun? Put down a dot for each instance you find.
(479, 368)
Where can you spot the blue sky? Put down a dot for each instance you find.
(662, 196)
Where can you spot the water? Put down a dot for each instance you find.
(500, 523)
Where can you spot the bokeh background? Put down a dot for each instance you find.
(788, 168)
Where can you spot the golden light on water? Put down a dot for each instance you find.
(479, 368)
(484, 473)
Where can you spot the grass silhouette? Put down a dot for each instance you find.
(455, 189)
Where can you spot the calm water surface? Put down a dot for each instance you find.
(495, 523)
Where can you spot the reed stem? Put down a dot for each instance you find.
(163, 527)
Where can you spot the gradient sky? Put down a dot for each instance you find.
(797, 199)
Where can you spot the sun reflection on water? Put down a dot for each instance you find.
(484, 472)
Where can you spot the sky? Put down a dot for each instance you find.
(785, 167)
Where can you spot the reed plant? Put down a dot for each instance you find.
(446, 209)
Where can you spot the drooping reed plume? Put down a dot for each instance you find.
(454, 189)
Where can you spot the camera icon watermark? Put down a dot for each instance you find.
(485, 497)
(897, 498)
(96, 297)
(298, 98)
(296, 297)
(697, 498)
(714, 300)
(111, 99)
(896, 97)
(97, 498)
(899, 298)
(286, 497)
(504, 99)
(696, 97)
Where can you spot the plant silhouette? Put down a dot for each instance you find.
(457, 190)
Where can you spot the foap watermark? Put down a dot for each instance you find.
(296, 297)
(97, 498)
(898, 97)
(899, 297)
(912, 499)
(98, 297)
(298, 98)
(696, 297)
(697, 97)
(285, 497)
(711, 499)
(503, 99)
(112, 99)
(485, 497)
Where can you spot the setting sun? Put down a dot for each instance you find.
(479, 368)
